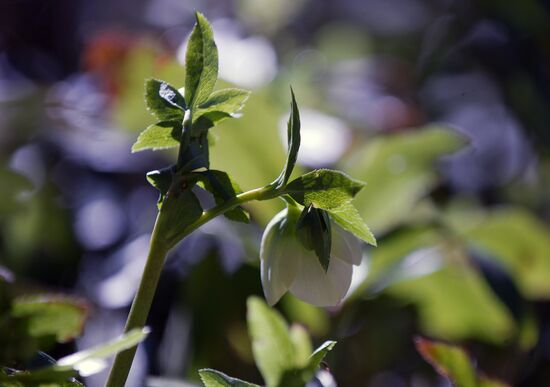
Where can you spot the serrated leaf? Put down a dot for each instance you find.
(223, 188)
(58, 316)
(214, 378)
(201, 63)
(162, 135)
(293, 138)
(161, 179)
(164, 101)
(324, 188)
(347, 217)
(179, 210)
(317, 357)
(271, 344)
(225, 102)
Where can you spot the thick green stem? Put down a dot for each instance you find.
(153, 269)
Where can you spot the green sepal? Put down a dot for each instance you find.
(164, 101)
(293, 138)
(161, 179)
(201, 63)
(162, 135)
(223, 188)
(314, 232)
(324, 188)
(214, 378)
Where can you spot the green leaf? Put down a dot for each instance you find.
(520, 242)
(179, 210)
(91, 361)
(164, 101)
(222, 103)
(61, 317)
(213, 378)
(13, 184)
(454, 363)
(347, 217)
(324, 188)
(293, 135)
(317, 357)
(220, 184)
(302, 345)
(162, 135)
(448, 360)
(400, 171)
(201, 60)
(162, 180)
(271, 344)
(87, 362)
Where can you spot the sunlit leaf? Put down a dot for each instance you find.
(213, 378)
(324, 188)
(302, 345)
(399, 169)
(164, 100)
(201, 63)
(317, 357)
(61, 317)
(162, 135)
(222, 102)
(271, 344)
(454, 363)
(521, 243)
(347, 217)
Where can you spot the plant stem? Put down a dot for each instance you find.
(158, 249)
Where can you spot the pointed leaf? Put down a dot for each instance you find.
(349, 219)
(324, 188)
(271, 344)
(164, 101)
(62, 317)
(220, 184)
(201, 60)
(223, 102)
(214, 378)
(162, 135)
(317, 357)
(293, 135)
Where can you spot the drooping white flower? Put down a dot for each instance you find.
(287, 265)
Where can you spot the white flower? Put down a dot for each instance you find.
(287, 265)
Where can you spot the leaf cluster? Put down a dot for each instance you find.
(283, 354)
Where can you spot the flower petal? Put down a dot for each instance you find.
(345, 246)
(279, 259)
(315, 286)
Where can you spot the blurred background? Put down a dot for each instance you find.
(441, 106)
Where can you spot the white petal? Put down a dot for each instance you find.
(346, 246)
(316, 287)
(279, 259)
